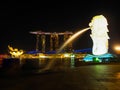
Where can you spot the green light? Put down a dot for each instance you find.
(96, 59)
(72, 55)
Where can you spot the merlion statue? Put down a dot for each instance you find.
(99, 35)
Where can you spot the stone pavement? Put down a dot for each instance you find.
(90, 77)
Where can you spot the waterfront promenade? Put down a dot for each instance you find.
(86, 77)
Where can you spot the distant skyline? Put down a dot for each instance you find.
(18, 19)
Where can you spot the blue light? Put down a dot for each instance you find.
(100, 58)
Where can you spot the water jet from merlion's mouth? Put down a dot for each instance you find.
(72, 38)
(51, 63)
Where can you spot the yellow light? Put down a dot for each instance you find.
(66, 55)
(42, 56)
(15, 52)
(117, 48)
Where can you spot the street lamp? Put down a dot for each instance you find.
(117, 49)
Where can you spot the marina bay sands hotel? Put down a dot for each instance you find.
(54, 40)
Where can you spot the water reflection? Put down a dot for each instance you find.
(41, 63)
(117, 75)
(72, 63)
(58, 62)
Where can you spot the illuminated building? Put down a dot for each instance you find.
(54, 40)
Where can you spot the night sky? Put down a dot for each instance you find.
(18, 19)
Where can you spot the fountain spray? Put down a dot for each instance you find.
(72, 38)
(51, 63)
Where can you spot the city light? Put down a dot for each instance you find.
(15, 52)
(117, 49)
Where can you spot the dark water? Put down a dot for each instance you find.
(88, 77)
(15, 66)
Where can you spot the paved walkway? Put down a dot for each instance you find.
(91, 77)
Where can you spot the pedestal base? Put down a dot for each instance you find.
(98, 58)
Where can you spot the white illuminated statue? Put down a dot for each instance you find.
(99, 35)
